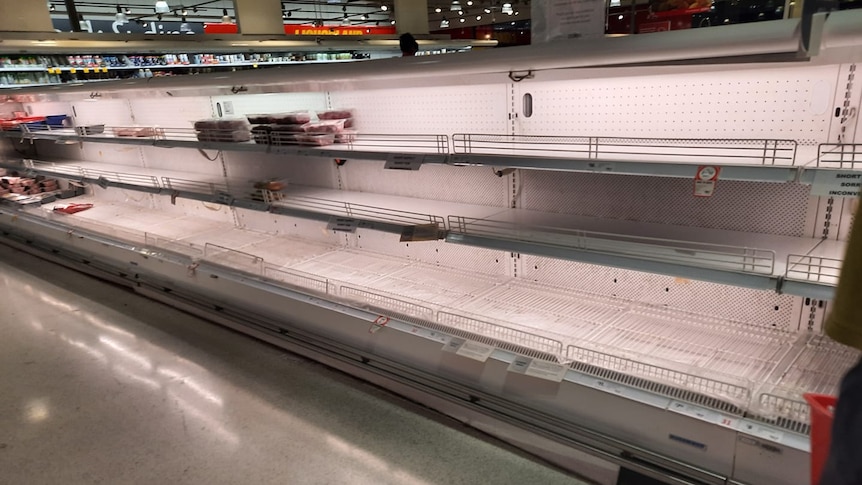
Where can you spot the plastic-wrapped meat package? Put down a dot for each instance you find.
(71, 208)
(139, 132)
(236, 124)
(261, 134)
(294, 118)
(335, 114)
(326, 126)
(284, 134)
(237, 136)
(345, 136)
(259, 119)
(223, 130)
(322, 139)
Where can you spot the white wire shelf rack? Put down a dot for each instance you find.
(816, 367)
(771, 160)
(579, 244)
(691, 357)
(372, 146)
(688, 150)
(788, 264)
(846, 156)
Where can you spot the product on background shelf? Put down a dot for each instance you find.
(71, 208)
(223, 130)
(261, 134)
(140, 132)
(345, 136)
(325, 126)
(335, 114)
(322, 139)
(90, 129)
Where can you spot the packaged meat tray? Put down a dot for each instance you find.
(271, 185)
(345, 136)
(316, 139)
(335, 114)
(259, 119)
(294, 118)
(237, 136)
(228, 125)
(141, 132)
(261, 134)
(283, 138)
(326, 126)
(71, 208)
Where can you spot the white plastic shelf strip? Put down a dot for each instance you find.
(725, 359)
(689, 253)
(839, 155)
(703, 151)
(813, 268)
(345, 208)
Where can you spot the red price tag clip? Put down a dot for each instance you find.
(705, 180)
(379, 323)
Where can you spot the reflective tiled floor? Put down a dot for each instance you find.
(98, 385)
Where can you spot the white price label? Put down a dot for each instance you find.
(834, 183)
(609, 387)
(704, 414)
(343, 224)
(469, 349)
(403, 161)
(705, 180)
(520, 365)
(549, 371)
(763, 432)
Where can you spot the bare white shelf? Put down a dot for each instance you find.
(731, 366)
(797, 265)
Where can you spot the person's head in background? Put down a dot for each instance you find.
(409, 46)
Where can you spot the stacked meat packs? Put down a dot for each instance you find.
(300, 128)
(223, 130)
(27, 186)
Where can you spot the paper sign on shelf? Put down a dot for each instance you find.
(704, 414)
(537, 368)
(403, 161)
(705, 180)
(469, 349)
(762, 432)
(836, 183)
(343, 224)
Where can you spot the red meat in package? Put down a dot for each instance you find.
(71, 208)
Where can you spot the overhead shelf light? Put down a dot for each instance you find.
(162, 7)
(225, 19)
(121, 17)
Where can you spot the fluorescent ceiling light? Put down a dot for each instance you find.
(162, 7)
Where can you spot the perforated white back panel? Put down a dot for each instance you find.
(756, 307)
(47, 108)
(179, 112)
(319, 172)
(472, 185)
(436, 111)
(440, 253)
(784, 103)
(770, 208)
(111, 112)
(288, 226)
(183, 160)
(108, 153)
(194, 208)
(245, 104)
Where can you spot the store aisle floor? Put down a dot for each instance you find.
(98, 385)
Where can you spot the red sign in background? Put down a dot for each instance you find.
(308, 30)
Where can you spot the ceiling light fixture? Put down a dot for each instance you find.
(438, 10)
(487, 10)
(392, 22)
(507, 8)
(363, 17)
(51, 7)
(225, 19)
(444, 23)
(121, 17)
(469, 3)
(384, 7)
(456, 5)
(162, 7)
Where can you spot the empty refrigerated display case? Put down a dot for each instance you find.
(618, 254)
